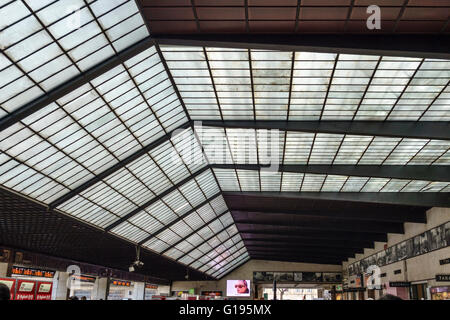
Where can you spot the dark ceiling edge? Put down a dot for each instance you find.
(405, 45)
(99, 230)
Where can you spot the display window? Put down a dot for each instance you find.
(440, 293)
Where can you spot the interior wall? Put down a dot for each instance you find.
(420, 269)
(245, 272)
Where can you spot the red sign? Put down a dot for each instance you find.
(11, 283)
(151, 286)
(25, 290)
(44, 291)
(32, 272)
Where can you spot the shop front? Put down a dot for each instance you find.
(30, 283)
(82, 287)
(120, 290)
(150, 291)
(440, 293)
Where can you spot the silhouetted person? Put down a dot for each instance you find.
(390, 297)
(4, 292)
(83, 298)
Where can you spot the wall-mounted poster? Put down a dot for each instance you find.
(447, 233)
(444, 241)
(351, 270)
(363, 265)
(312, 276)
(401, 251)
(416, 241)
(357, 269)
(372, 260)
(331, 277)
(298, 276)
(283, 276)
(424, 245)
(389, 255)
(436, 238)
(381, 258)
(262, 276)
(409, 244)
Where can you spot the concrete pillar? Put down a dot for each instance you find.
(60, 286)
(101, 288)
(139, 291)
(3, 269)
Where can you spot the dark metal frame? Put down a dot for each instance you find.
(403, 129)
(411, 172)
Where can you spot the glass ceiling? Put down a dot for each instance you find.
(163, 200)
(241, 84)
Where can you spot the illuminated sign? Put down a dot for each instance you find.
(32, 272)
(151, 286)
(121, 283)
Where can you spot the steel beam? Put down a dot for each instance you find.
(121, 164)
(419, 46)
(367, 215)
(305, 241)
(193, 232)
(336, 225)
(420, 199)
(167, 226)
(400, 129)
(157, 198)
(262, 231)
(408, 172)
(74, 83)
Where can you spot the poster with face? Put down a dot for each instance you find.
(424, 244)
(444, 242)
(351, 270)
(435, 238)
(363, 265)
(238, 288)
(447, 233)
(409, 244)
(298, 276)
(416, 241)
(389, 255)
(401, 251)
(381, 258)
(357, 268)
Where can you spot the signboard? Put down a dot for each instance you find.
(443, 277)
(32, 272)
(151, 286)
(399, 284)
(25, 290)
(44, 291)
(84, 278)
(11, 284)
(121, 283)
(212, 293)
(444, 261)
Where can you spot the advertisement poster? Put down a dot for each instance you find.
(238, 288)
(25, 290)
(44, 291)
(11, 283)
